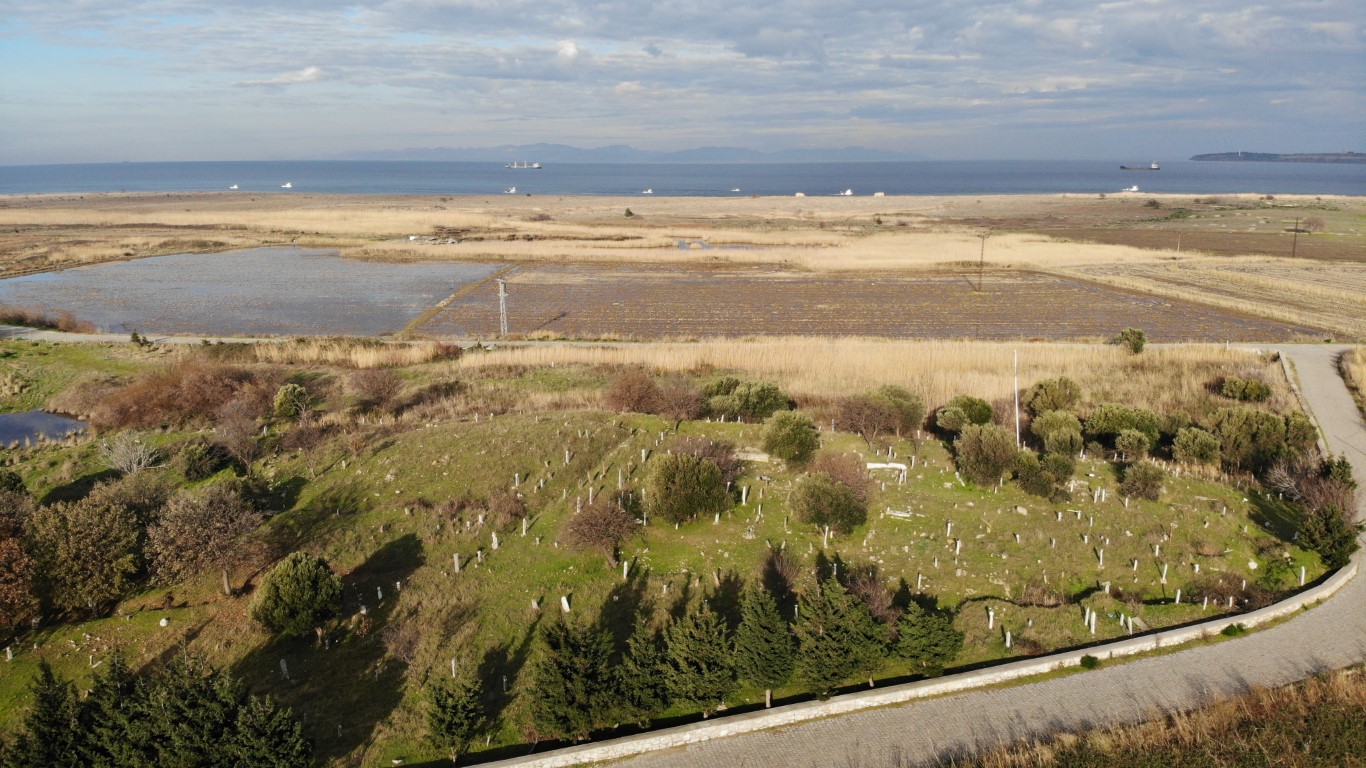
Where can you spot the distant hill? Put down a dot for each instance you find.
(621, 153)
(1270, 157)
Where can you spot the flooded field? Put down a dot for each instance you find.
(261, 291)
(676, 301)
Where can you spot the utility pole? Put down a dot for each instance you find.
(982, 259)
(1017, 399)
(1295, 238)
(502, 308)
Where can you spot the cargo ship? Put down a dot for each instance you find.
(1148, 167)
(524, 166)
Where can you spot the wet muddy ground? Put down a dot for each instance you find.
(669, 301)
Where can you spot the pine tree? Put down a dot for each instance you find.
(700, 661)
(298, 596)
(765, 650)
(640, 680)
(928, 639)
(113, 719)
(456, 715)
(836, 637)
(266, 735)
(571, 690)
(50, 736)
(192, 712)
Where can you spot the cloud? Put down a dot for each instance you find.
(305, 75)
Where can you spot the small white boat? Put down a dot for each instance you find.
(510, 191)
(287, 185)
(846, 193)
(735, 189)
(648, 191)
(234, 186)
(1134, 188)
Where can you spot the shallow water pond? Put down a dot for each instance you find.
(259, 291)
(32, 425)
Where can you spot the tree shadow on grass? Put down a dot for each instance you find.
(79, 488)
(342, 690)
(1277, 517)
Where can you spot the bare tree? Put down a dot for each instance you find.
(129, 453)
(237, 431)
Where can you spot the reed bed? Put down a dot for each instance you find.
(1314, 723)
(62, 320)
(1163, 378)
(1353, 366)
(355, 353)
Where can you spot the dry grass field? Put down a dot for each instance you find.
(1232, 248)
(812, 369)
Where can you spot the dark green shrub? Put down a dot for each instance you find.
(299, 596)
(819, 500)
(1331, 533)
(984, 453)
(200, 459)
(1108, 420)
(11, 482)
(1143, 480)
(1252, 439)
(1063, 443)
(1132, 339)
(1051, 422)
(927, 639)
(1246, 390)
(1196, 446)
(680, 487)
(1233, 630)
(1089, 662)
(791, 437)
(292, 401)
(1132, 445)
(733, 398)
(1060, 394)
(963, 411)
(908, 406)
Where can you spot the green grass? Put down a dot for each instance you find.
(36, 371)
(376, 515)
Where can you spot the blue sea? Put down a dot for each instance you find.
(699, 180)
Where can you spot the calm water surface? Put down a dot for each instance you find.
(259, 291)
(32, 425)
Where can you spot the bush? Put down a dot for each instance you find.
(866, 416)
(1330, 531)
(1234, 630)
(718, 452)
(1132, 445)
(1064, 442)
(791, 437)
(1143, 480)
(680, 487)
(1246, 390)
(634, 390)
(89, 550)
(984, 453)
(908, 407)
(733, 398)
(1051, 422)
(292, 401)
(374, 389)
(196, 531)
(1036, 478)
(11, 482)
(298, 596)
(963, 411)
(1089, 662)
(847, 469)
(1060, 394)
(1196, 446)
(129, 453)
(602, 526)
(1110, 419)
(200, 459)
(819, 500)
(189, 391)
(680, 399)
(1132, 339)
(1252, 439)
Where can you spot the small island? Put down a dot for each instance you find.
(1272, 157)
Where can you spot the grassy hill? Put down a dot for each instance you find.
(391, 495)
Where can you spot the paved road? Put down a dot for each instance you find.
(1329, 637)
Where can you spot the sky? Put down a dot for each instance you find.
(163, 80)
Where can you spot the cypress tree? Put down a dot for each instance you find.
(836, 637)
(571, 689)
(928, 639)
(50, 737)
(266, 735)
(700, 662)
(456, 715)
(640, 679)
(192, 713)
(113, 719)
(765, 650)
